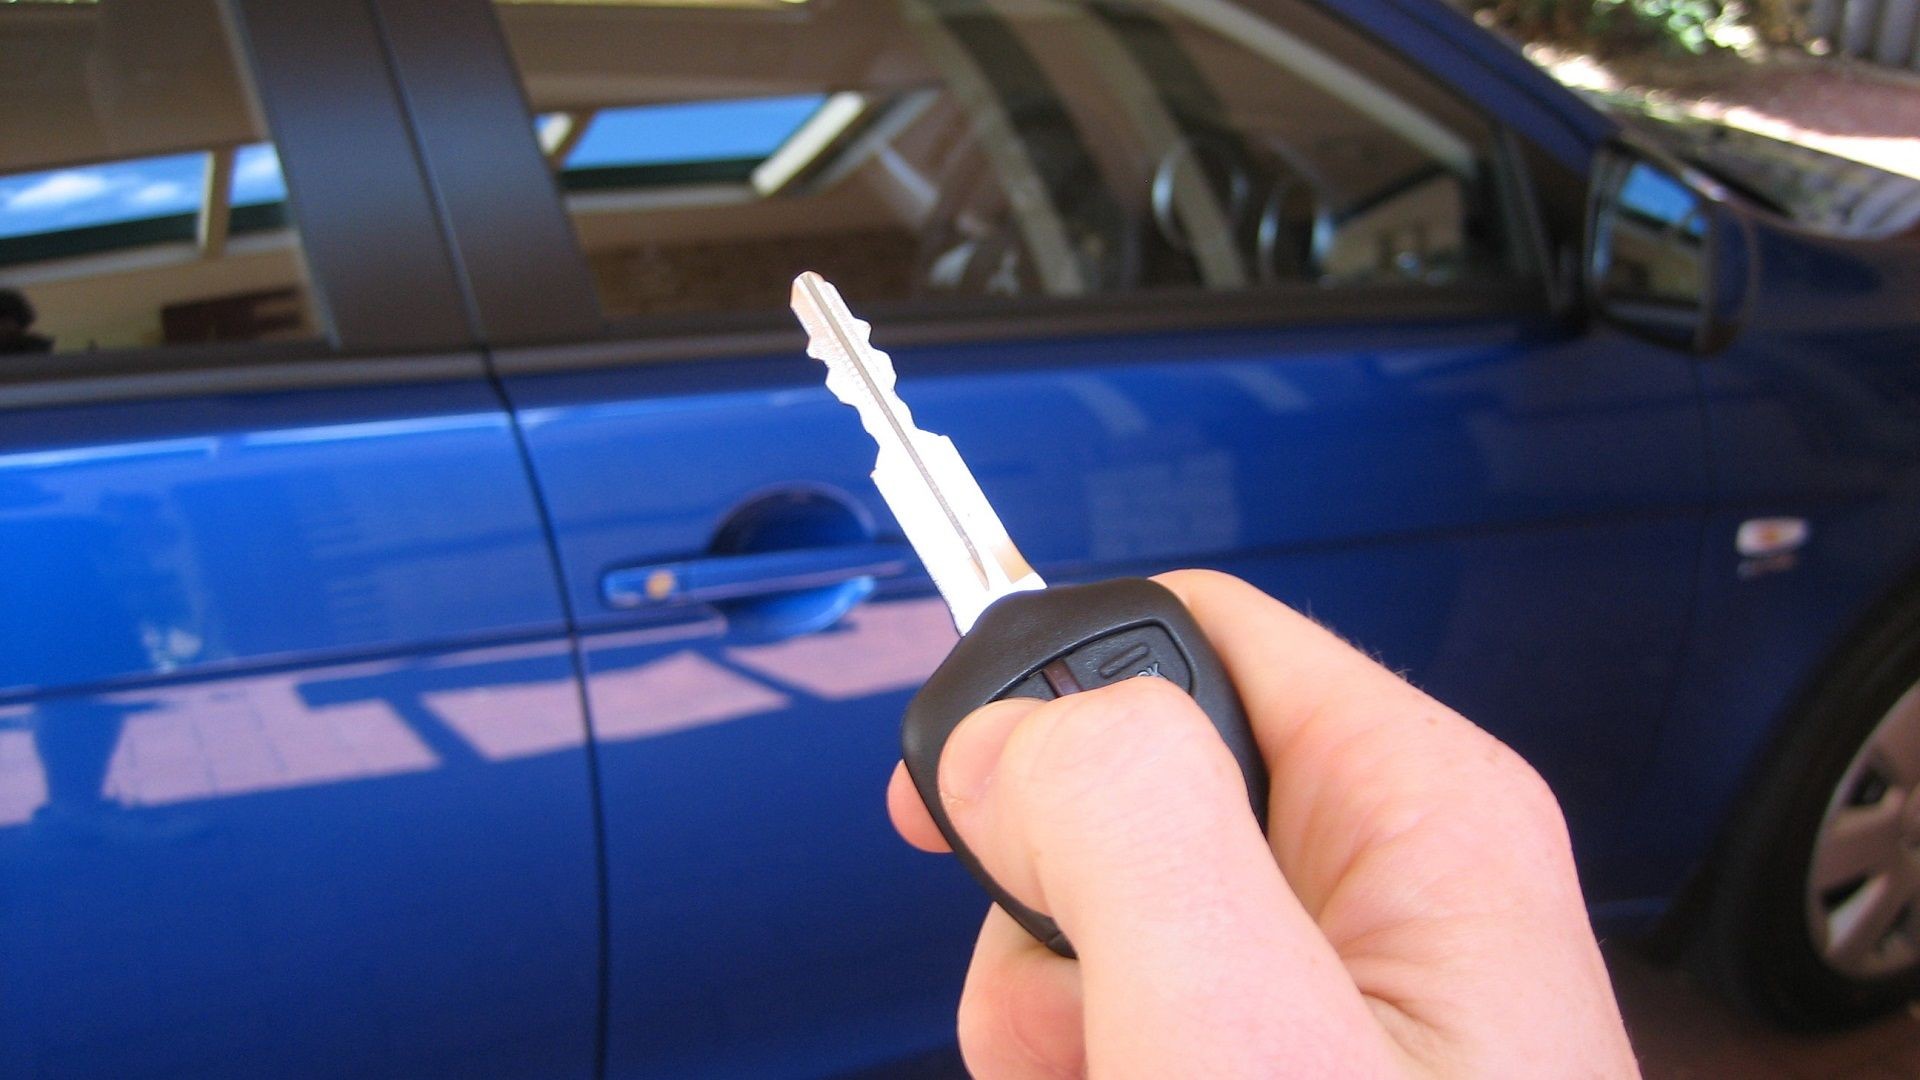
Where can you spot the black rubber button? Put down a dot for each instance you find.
(1033, 686)
(1129, 654)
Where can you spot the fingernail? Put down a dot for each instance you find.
(972, 752)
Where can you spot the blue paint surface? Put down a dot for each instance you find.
(323, 751)
(292, 768)
(1444, 494)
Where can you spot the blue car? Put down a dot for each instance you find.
(388, 383)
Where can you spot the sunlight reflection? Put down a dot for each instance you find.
(880, 647)
(678, 691)
(22, 786)
(512, 721)
(87, 756)
(201, 741)
(84, 758)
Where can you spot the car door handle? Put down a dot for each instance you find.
(761, 573)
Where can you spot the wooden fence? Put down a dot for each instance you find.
(1886, 31)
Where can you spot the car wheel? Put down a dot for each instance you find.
(1816, 917)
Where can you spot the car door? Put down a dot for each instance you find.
(293, 776)
(1187, 283)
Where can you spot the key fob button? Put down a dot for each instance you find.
(1033, 686)
(1089, 636)
(1130, 654)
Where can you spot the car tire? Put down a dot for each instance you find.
(1827, 851)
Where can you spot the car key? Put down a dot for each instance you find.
(1019, 638)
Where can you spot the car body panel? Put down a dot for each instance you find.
(322, 749)
(1815, 414)
(1442, 493)
(293, 774)
(293, 777)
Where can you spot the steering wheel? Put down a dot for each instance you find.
(1272, 208)
(972, 243)
(1213, 160)
(1295, 232)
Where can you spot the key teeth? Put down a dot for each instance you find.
(922, 477)
(818, 342)
(839, 339)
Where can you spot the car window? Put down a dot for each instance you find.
(1027, 148)
(141, 202)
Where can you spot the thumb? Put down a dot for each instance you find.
(1121, 813)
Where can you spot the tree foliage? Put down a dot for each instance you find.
(1678, 26)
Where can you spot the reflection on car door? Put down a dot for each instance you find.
(292, 768)
(1186, 283)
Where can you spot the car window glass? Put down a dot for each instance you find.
(141, 203)
(917, 149)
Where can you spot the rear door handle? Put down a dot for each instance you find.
(761, 573)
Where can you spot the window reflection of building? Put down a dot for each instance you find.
(138, 205)
(932, 149)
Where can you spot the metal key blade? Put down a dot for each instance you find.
(946, 516)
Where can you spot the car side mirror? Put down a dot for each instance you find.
(1667, 257)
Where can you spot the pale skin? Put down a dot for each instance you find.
(1413, 910)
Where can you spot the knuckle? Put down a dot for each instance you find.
(1196, 582)
(1528, 796)
(1195, 576)
(994, 1039)
(1541, 805)
(1020, 1012)
(977, 1027)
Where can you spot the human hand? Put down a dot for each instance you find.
(1413, 910)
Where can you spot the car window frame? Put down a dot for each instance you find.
(398, 318)
(565, 329)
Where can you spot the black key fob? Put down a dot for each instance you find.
(1061, 640)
